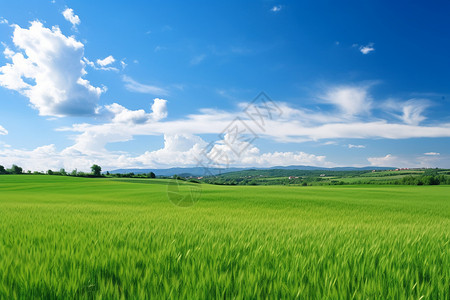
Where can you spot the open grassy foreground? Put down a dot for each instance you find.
(64, 237)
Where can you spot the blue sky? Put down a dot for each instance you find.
(156, 84)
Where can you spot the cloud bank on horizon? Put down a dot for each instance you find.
(335, 124)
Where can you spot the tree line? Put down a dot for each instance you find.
(96, 171)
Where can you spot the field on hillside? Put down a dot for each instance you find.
(330, 177)
(66, 237)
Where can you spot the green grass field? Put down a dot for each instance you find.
(64, 237)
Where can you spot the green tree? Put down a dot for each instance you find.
(96, 170)
(16, 169)
(62, 172)
(151, 175)
(2, 170)
(50, 172)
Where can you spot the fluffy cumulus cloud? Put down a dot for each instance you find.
(70, 16)
(120, 114)
(122, 126)
(179, 150)
(48, 69)
(191, 150)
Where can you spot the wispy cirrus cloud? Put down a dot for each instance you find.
(432, 153)
(351, 146)
(134, 86)
(410, 111)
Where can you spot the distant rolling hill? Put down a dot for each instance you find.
(199, 171)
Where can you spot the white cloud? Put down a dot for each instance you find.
(178, 150)
(276, 8)
(3, 131)
(134, 86)
(104, 64)
(183, 142)
(106, 61)
(3, 21)
(412, 161)
(351, 100)
(48, 157)
(350, 146)
(181, 150)
(123, 125)
(71, 17)
(289, 128)
(159, 108)
(367, 49)
(183, 145)
(386, 161)
(121, 114)
(3, 144)
(93, 138)
(432, 154)
(412, 111)
(48, 69)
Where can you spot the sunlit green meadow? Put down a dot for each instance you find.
(65, 237)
